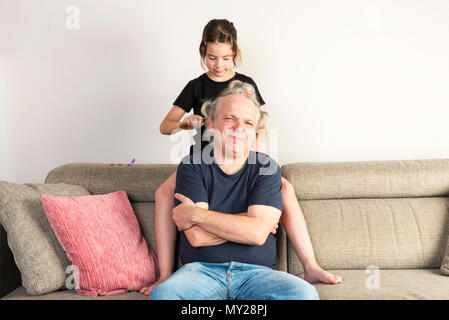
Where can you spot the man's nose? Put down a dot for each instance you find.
(238, 125)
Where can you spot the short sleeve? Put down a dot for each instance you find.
(190, 183)
(185, 99)
(267, 189)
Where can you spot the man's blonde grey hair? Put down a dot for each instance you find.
(210, 108)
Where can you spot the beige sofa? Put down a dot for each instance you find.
(383, 226)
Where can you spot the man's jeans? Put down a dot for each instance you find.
(232, 281)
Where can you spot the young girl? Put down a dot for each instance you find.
(220, 54)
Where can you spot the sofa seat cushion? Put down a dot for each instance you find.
(21, 294)
(414, 284)
(410, 284)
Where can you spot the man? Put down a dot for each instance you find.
(228, 205)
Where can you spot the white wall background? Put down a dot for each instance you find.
(345, 80)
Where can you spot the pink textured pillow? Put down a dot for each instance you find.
(101, 237)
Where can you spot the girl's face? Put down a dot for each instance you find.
(219, 59)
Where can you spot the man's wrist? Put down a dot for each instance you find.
(198, 215)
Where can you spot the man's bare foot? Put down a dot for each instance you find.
(319, 275)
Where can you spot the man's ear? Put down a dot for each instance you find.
(209, 123)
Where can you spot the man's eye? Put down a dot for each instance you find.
(249, 123)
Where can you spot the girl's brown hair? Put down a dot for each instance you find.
(223, 31)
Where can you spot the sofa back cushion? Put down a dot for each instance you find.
(369, 179)
(102, 238)
(391, 214)
(140, 180)
(394, 233)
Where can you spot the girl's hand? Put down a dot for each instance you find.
(192, 122)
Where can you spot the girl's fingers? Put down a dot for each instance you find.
(192, 121)
(197, 122)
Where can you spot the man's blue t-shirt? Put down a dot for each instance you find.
(258, 182)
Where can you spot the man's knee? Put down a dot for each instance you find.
(191, 282)
(309, 292)
(166, 291)
(160, 292)
(294, 288)
(304, 291)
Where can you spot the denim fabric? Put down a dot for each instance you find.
(232, 281)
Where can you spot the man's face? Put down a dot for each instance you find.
(235, 125)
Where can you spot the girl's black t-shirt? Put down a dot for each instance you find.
(204, 88)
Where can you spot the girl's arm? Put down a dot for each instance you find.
(172, 122)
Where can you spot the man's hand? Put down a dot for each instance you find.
(275, 229)
(183, 213)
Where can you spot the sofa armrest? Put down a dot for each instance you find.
(10, 278)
